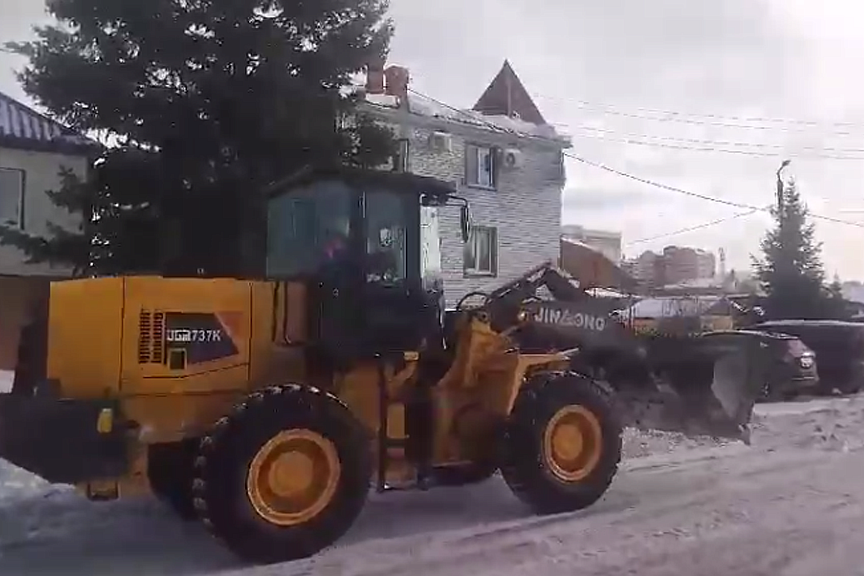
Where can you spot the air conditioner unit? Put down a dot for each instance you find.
(511, 158)
(441, 142)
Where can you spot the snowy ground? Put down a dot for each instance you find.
(789, 505)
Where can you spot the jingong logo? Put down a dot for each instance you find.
(565, 317)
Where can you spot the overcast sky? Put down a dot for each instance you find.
(599, 70)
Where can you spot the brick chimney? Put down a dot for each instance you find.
(397, 82)
(375, 77)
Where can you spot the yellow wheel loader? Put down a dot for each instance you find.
(267, 408)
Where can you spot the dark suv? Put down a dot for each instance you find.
(839, 347)
(792, 365)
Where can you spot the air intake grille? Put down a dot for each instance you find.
(151, 337)
(158, 338)
(145, 337)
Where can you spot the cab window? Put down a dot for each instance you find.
(387, 217)
(306, 228)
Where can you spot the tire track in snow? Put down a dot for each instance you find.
(745, 515)
(658, 508)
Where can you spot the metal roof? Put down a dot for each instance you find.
(23, 127)
(507, 96)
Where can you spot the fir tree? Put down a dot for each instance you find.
(791, 272)
(205, 102)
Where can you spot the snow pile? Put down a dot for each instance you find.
(671, 307)
(6, 378)
(834, 425)
(643, 443)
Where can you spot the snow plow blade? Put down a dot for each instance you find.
(676, 379)
(711, 393)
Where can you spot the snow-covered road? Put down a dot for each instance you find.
(789, 505)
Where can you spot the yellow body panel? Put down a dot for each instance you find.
(85, 337)
(102, 344)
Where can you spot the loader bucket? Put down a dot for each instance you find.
(710, 389)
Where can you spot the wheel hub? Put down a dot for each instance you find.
(572, 443)
(291, 474)
(293, 477)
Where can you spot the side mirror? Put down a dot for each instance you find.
(465, 222)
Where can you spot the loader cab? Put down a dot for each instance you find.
(366, 246)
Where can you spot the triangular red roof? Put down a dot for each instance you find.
(507, 96)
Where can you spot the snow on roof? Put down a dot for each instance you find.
(669, 307)
(582, 245)
(605, 293)
(427, 107)
(697, 283)
(21, 124)
(385, 100)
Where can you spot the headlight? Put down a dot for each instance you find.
(806, 361)
(522, 316)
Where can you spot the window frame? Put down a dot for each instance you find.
(402, 155)
(473, 180)
(308, 195)
(407, 259)
(18, 222)
(475, 271)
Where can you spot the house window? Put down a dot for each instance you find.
(481, 166)
(481, 252)
(12, 197)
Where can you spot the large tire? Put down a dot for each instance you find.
(544, 477)
(321, 441)
(169, 468)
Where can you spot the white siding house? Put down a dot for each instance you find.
(501, 156)
(33, 150)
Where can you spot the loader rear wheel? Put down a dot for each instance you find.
(284, 476)
(563, 444)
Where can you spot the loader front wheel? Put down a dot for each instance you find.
(563, 444)
(284, 476)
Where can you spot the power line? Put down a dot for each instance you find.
(645, 181)
(660, 185)
(666, 142)
(693, 228)
(750, 153)
(697, 195)
(726, 143)
(719, 120)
